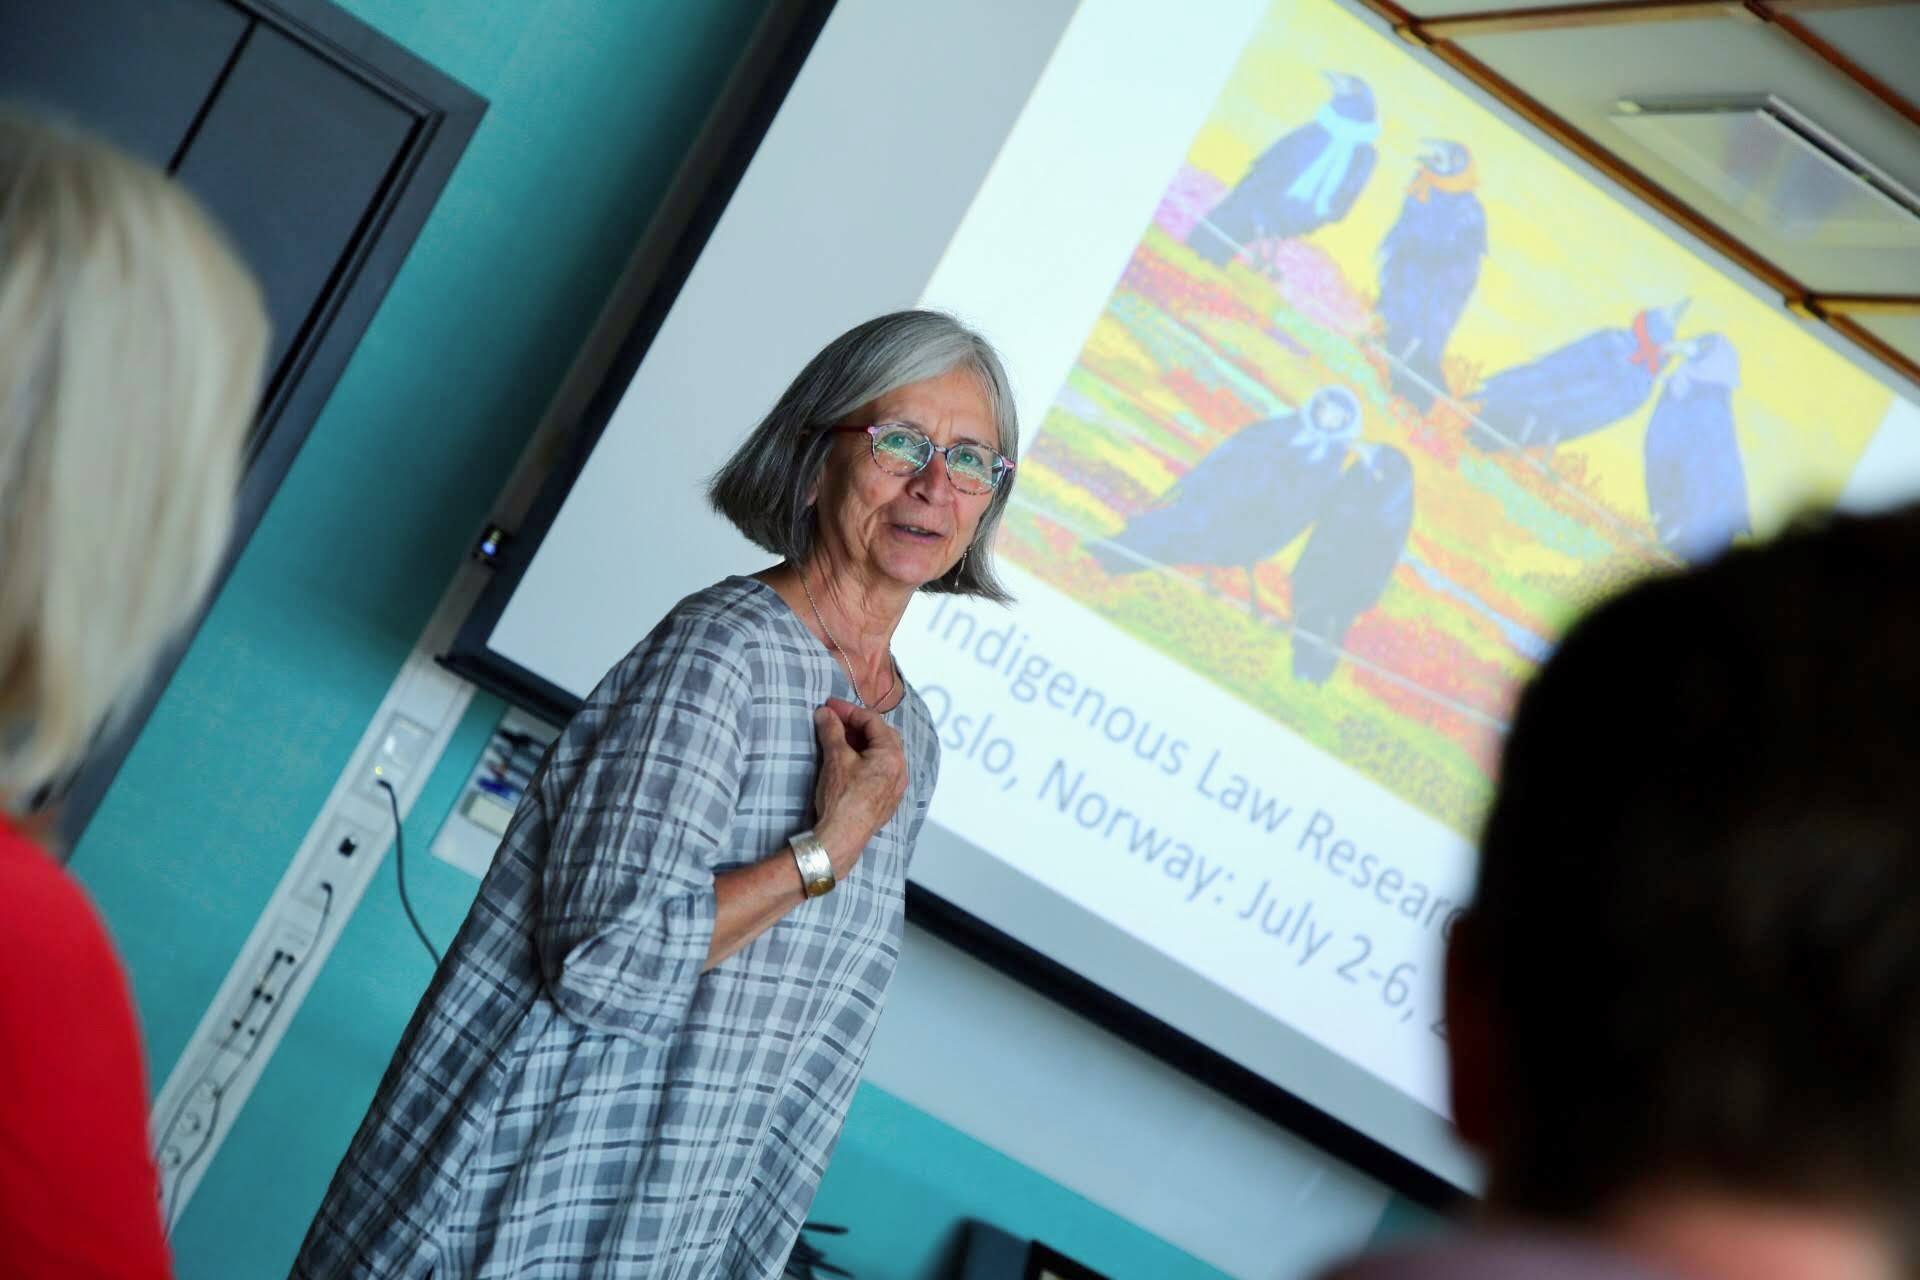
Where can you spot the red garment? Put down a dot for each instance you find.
(79, 1196)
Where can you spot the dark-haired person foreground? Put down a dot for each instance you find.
(1684, 1011)
(641, 1047)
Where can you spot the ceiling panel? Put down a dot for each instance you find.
(1901, 332)
(1883, 38)
(1450, 8)
(1768, 169)
(1581, 74)
(1429, 9)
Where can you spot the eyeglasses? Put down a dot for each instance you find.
(902, 449)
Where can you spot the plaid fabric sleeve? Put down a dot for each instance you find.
(640, 816)
(925, 778)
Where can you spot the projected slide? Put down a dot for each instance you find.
(1341, 396)
(1381, 397)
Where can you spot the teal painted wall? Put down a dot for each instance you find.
(903, 1183)
(593, 104)
(1406, 1223)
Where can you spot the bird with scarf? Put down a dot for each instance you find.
(1696, 482)
(1307, 179)
(1350, 556)
(1574, 390)
(1254, 493)
(1429, 266)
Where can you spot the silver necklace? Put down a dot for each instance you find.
(841, 651)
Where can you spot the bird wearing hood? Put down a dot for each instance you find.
(1350, 556)
(1590, 383)
(1249, 497)
(1308, 178)
(1429, 265)
(1696, 482)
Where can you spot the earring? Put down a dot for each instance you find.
(962, 566)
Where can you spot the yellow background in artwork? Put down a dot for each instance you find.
(1565, 258)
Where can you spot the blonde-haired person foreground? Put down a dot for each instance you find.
(131, 343)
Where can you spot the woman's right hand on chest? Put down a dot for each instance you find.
(863, 775)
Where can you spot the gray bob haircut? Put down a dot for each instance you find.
(763, 488)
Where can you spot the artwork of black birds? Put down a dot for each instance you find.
(1350, 556)
(1696, 482)
(1590, 383)
(1308, 178)
(1249, 497)
(1429, 265)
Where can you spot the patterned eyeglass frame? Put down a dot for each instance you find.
(1002, 465)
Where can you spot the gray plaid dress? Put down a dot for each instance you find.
(573, 1096)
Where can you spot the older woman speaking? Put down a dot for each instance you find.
(640, 1050)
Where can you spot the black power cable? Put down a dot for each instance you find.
(400, 869)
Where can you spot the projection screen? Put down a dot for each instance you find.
(1342, 393)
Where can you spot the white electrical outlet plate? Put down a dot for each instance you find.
(335, 864)
(398, 750)
(403, 743)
